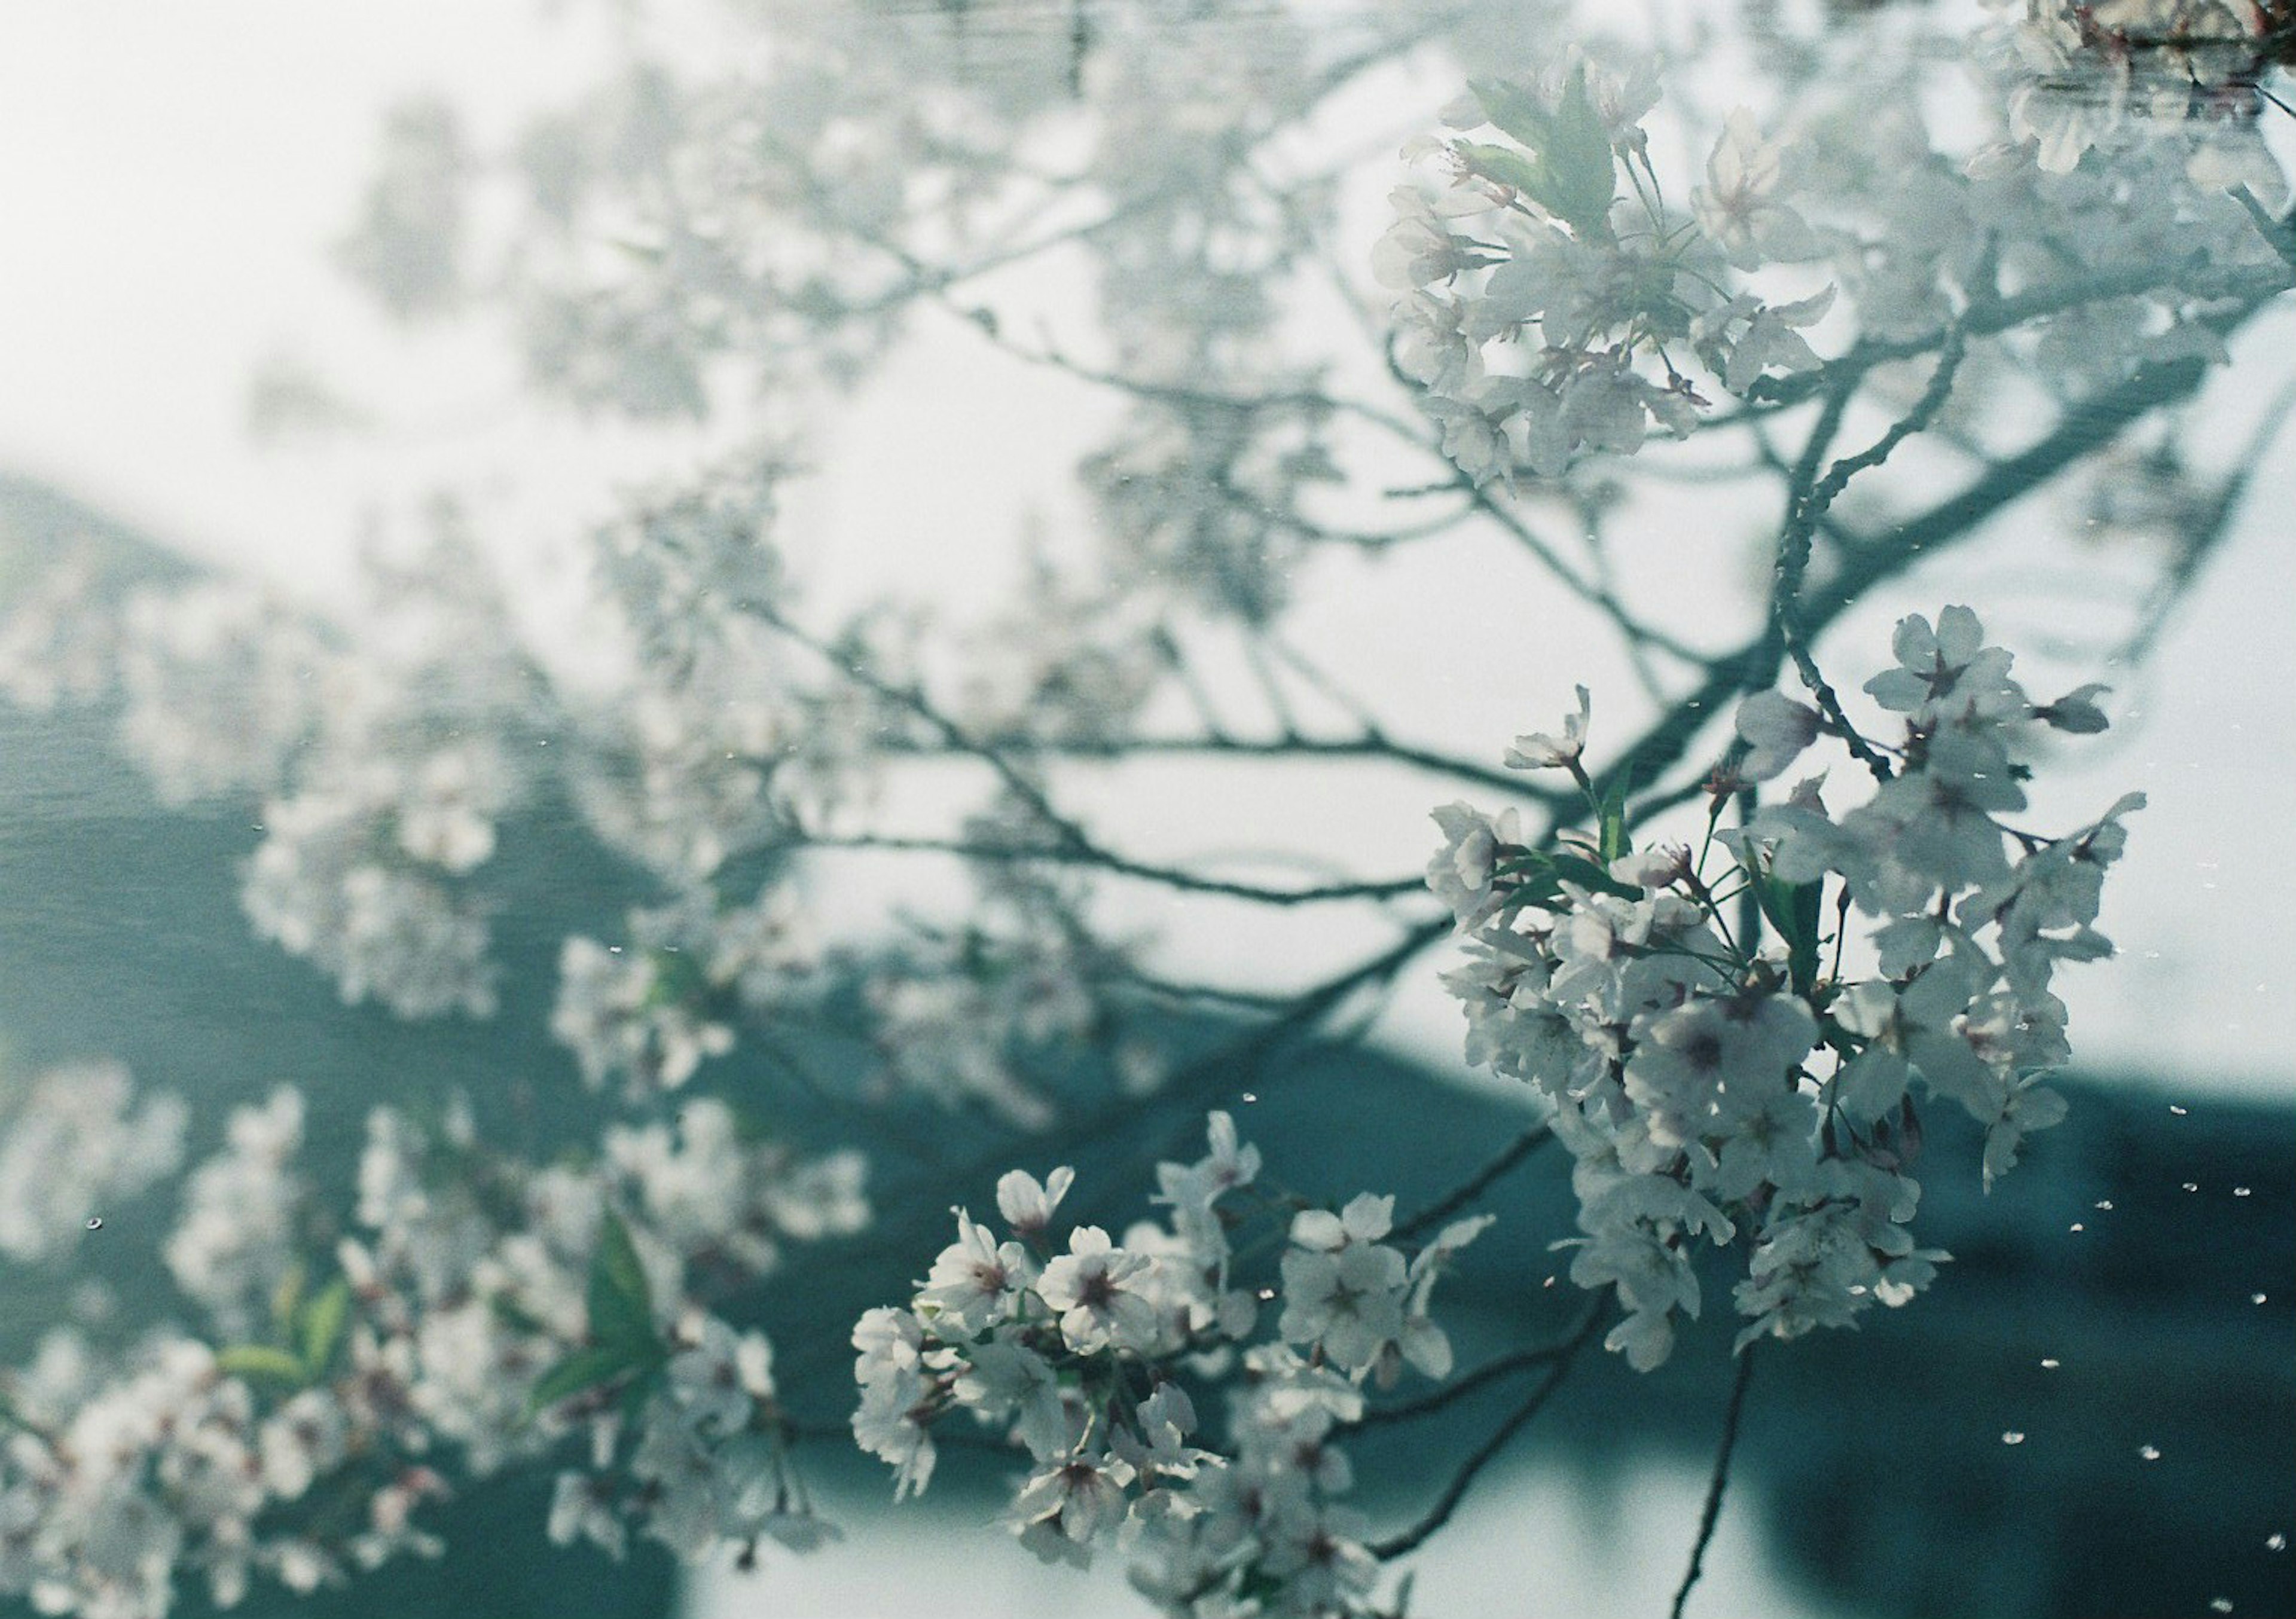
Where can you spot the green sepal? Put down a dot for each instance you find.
(10, 1417)
(286, 1298)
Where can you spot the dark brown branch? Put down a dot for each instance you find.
(1809, 502)
(1468, 1383)
(1757, 664)
(1719, 1482)
(1987, 316)
(1397, 1545)
(1098, 859)
(1473, 1187)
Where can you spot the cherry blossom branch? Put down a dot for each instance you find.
(1103, 860)
(1409, 1539)
(1712, 1510)
(1473, 1187)
(1376, 745)
(1468, 1383)
(1809, 504)
(2209, 533)
(1987, 316)
(1864, 567)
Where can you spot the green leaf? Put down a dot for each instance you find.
(262, 1361)
(621, 1307)
(641, 1388)
(1572, 174)
(1791, 909)
(1514, 110)
(1611, 815)
(1577, 156)
(1508, 166)
(319, 1325)
(677, 979)
(1586, 874)
(579, 1372)
(286, 1297)
(513, 1315)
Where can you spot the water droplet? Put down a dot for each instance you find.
(1548, 1282)
(95, 1222)
(2220, 1605)
(2240, 1192)
(2012, 1437)
(2276, 1542)
(1266, 1294)
(2105, 1204)
(2192, 1186)
(1252, 1096)
(2150, 1452)
(2077, 1226)
(2179, 1112)
(2050, 1362)
(2256, 1298)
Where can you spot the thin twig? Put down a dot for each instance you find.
(1467, 1383)
(1375, 747)
(1801, 528)
(1475, 1185)
(1918, 539)
(1099, 859)
(1455, 1492)
(1720, 1480)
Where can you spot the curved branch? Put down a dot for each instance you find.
(1455, 1492)
(1473, 1187)
(1467, 1383)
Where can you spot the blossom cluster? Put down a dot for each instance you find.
(480, 1312)
(1743, 1085)
(1081, 1351)
(1550, 297)
(1535, 234)
(76, 1142)
(378, 767)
